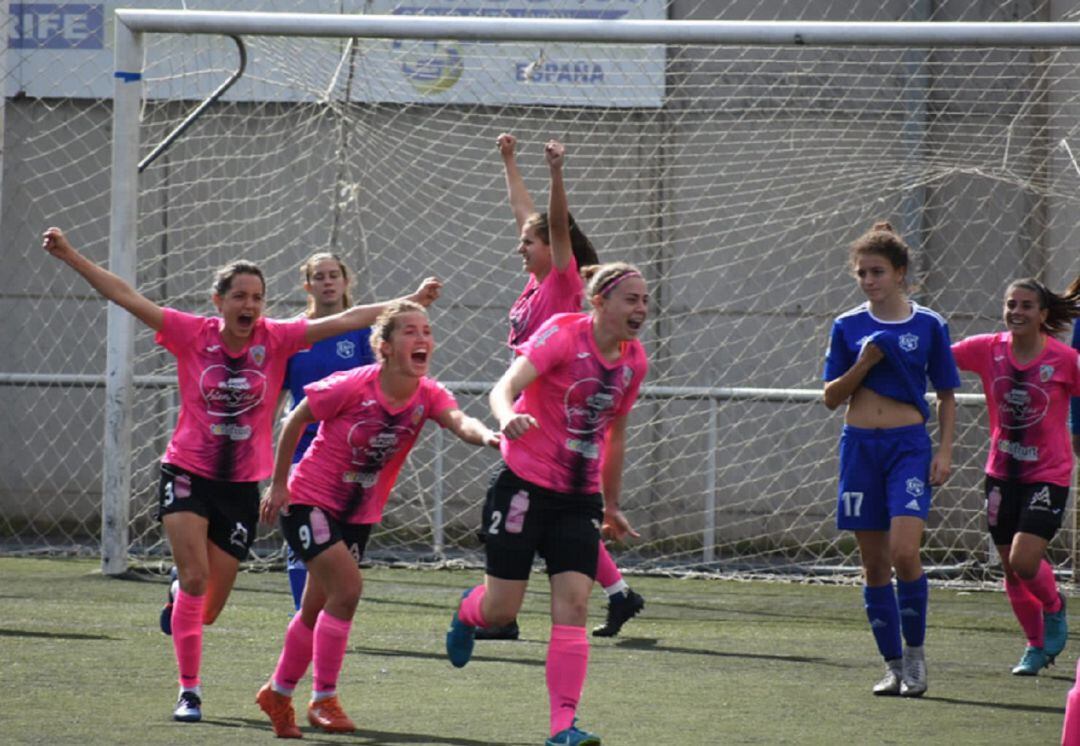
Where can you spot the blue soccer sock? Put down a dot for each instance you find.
(884, 617)
(913, 598)
(297, 579)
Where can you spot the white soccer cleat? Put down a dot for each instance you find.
(889, 686)
(913, 679)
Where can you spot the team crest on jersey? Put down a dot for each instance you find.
(417, 414)
(346, 348)
(915, 487)
(909, 342)
(1046, 372)
(627, 375)
(258, 355)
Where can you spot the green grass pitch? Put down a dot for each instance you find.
(708, 662)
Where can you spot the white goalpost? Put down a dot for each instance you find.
(732, 160)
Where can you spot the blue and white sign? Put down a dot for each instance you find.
(64, 50)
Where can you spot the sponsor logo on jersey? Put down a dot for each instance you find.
(258, 355)
(230, 393)
(1046, 372)
(346, 348)
(909, 342)
(584, 355)
(915, 487)
(1021, 404)
(1019, 451)
(231, 431)
(213, 348)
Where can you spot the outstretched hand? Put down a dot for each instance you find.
(506, 144)
(428, 292)
(55, 242)
(555, 152)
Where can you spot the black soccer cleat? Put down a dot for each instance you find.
(509, 631)
(622, 607)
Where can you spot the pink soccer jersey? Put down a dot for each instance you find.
(560, 292)
(362, 442)
(574, 400)
(1028, 406)
(226, 400)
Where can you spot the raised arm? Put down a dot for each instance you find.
(521, 203)
(839, 390)
(111, 286)
(616, 525)
(277, 496)
(469, 429)
(359, 317)
(941, 465)
(519, 375)
(558, 212)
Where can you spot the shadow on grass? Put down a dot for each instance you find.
(53, 635)
(416, 654)
(649, 643)
(365, 736)
(997, 705)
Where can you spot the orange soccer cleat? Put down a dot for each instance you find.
(328, 715)
(280, 710)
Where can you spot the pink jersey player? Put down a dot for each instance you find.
(562, 407)
(369, 419)
(1028, 406)
(227, 398)
(1027, 377)
(362, 442)
(230, 369)
(574, 399)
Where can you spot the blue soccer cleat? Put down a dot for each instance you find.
(188, 707)
(165, 620)
(460, 639)
(1034, 660)
(1056, 631)
(573, 736)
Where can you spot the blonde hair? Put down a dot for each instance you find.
(307, 269)
(601, 279)
(385, 324)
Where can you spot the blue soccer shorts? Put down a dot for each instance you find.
(884, 474)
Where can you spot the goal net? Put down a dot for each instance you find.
(735, 175)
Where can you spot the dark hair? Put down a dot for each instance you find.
(601, 279)
(584, 252)
(1060, 309)
(308, 267)
(224, 276)
(883, 240)
(385, 324)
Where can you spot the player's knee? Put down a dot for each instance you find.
(906, 561)
(499, 615)
(1024, 568)
(194, 581)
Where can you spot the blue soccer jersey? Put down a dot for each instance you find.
(346, 351)
(915, 348)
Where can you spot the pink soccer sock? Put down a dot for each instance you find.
(471, 611)
(295, 656)
(1070, 732)
(1044, 587)
(187, 626)
(1028, 611)
(567, 665)
(607, 574)
(331, 637)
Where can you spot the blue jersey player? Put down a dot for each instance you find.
(880, 357)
